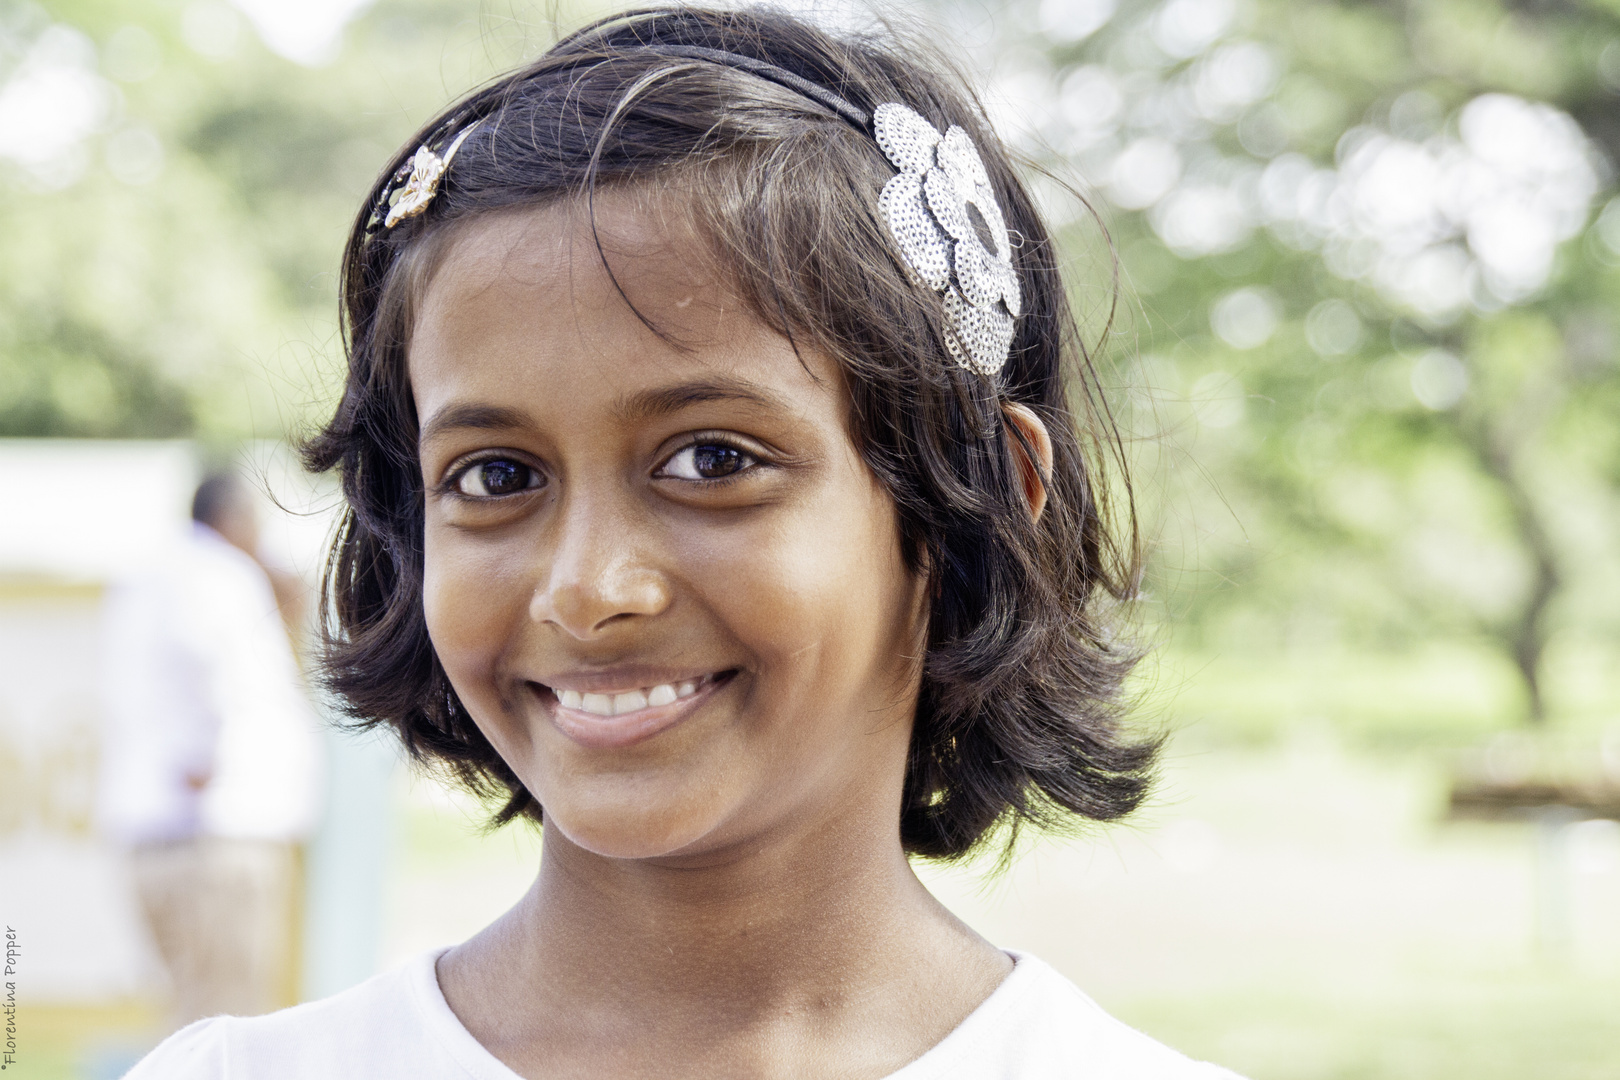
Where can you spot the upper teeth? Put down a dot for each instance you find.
(630, 700)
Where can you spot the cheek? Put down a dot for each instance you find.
(826, 599)
(470, 598)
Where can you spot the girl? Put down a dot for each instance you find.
(717, 499)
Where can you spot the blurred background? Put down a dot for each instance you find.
(1362, 335)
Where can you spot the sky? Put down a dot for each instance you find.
(305, 31)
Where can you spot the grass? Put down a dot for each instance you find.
(1445, 694)
(82, 1042)
(1548, 1025)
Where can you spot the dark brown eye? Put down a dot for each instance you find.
(489, 479)
(708, 461)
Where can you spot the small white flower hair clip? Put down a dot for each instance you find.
(426, 170)
(950, 229)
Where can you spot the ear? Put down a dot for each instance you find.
(1033, 473)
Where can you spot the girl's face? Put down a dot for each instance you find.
(658, 573)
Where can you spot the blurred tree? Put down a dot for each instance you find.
(1375, 285)
(174, 196)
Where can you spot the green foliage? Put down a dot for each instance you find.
(1361, 465)
(173, 272)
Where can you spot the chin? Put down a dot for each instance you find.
(626, 824)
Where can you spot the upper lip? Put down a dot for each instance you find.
(624, 679)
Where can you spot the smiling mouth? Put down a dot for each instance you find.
(629, 701)
(615, 718)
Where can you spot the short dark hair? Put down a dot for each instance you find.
(1018, 719)
(218, 493)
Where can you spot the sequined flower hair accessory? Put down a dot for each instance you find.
(945, 218)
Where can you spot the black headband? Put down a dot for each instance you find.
(856, 116)
(771, 73)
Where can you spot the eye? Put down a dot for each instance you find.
(708, 461)
(496, 477)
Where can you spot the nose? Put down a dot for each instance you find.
(600, 575)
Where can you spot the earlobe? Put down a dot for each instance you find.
(1034, 474)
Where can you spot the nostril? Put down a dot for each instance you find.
(588, 606)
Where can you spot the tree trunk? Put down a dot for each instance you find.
(1525, 635)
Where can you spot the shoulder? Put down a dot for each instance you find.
(191, 1053)
(379, 1029)
(1038, 1024)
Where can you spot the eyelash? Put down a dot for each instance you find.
(451, 484)
(756, 459)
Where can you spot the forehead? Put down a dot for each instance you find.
(537, 301)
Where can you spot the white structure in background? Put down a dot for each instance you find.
(74, 517)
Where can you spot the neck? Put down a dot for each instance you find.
(739, 949)
(769, 921)
(779, 920)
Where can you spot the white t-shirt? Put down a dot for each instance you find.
(198, 679)
(1037, 1025)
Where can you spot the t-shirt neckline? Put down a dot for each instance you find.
(477, 1062)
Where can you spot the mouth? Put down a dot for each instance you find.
(618, 717)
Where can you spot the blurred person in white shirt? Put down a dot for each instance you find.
(210, 758)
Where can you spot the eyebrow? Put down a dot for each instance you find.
(651, 404)
(474, 417)
(647, 405)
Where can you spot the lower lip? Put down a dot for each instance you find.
(612, 732)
